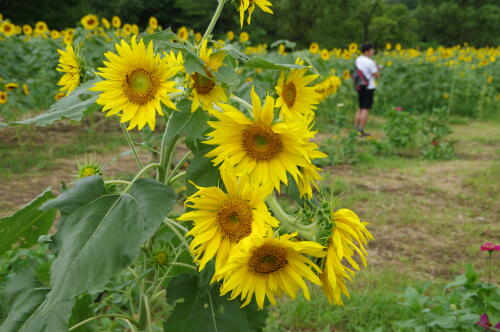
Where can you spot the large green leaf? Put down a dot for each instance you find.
(26, 225)
(193, 63)
(259, 62)
(23, 305)
(201, 172)
(79, 102)
(98, 240)
(202, 309)
(187, 123)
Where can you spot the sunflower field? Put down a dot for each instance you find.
(224, 215)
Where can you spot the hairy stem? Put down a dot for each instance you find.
(214, 20)
(132, 146)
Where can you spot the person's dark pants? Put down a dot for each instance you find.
(365, 97)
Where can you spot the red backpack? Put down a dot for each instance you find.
(359, 79)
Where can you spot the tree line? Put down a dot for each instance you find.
(332, 23)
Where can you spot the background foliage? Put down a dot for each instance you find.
(333, 23)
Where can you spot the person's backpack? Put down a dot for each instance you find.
(358, 78)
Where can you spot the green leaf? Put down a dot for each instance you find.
(79, 102)
(259, 62)
(99, 239)
(81, 311)
(286, 42)
(26, 225)
(234, 53)
(165, 37)
(447, 322)
(203, 309)
(227, 75)
(201, 172)
(193, 63)
(24, 304)
(185, 122)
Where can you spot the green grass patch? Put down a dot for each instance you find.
(373, 304)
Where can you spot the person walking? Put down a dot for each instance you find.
(366, 72)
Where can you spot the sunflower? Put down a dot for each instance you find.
(346, 74)
(59, 95)
(388, 46)
(250, 6)
(314, 48)
(197, 37)
(183, 33)
(90, 22)
(127, 29)
(54, 34)
(222, 219)
(70, 65)
(244, 37)
(205, 91)
(266, 151)
(8, 29)
(295, 97)
(153, 22)
(135, 84)
(353, 47)
(105, 23)
(213, 60)
(116, 22)
(41, 27)
(11, 86)
(230, 35)
(135, 29)
(26, 89)
(325, 54)
(346, 229)
(27, 30)
(3, 97)
(346, 55)
(175, 61)
(269, 267)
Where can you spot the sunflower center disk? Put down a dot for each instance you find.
(268, 259)
(289, 94)
(235, 218)
(261, 142)
(140, 86)
(203, 85)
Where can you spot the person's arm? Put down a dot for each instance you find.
(375, 70)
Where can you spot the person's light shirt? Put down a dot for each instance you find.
(368, 67)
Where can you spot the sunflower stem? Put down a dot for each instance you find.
(241, 102)
(214, 20)
(132, 146)
(289, 223)
(177, 166)
(167, 147)
(88, 320)
(172, 179)
(141, 172)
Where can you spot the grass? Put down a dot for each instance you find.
(373, 304)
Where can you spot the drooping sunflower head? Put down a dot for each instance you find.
(348, 237)
(72, 65)
(223, 218)
(90, 22)
(136, 83)
(249, 5)
(295, 96)
(261, 146)
(105, 23)
(269, 267)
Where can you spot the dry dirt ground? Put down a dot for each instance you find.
(427, 217)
